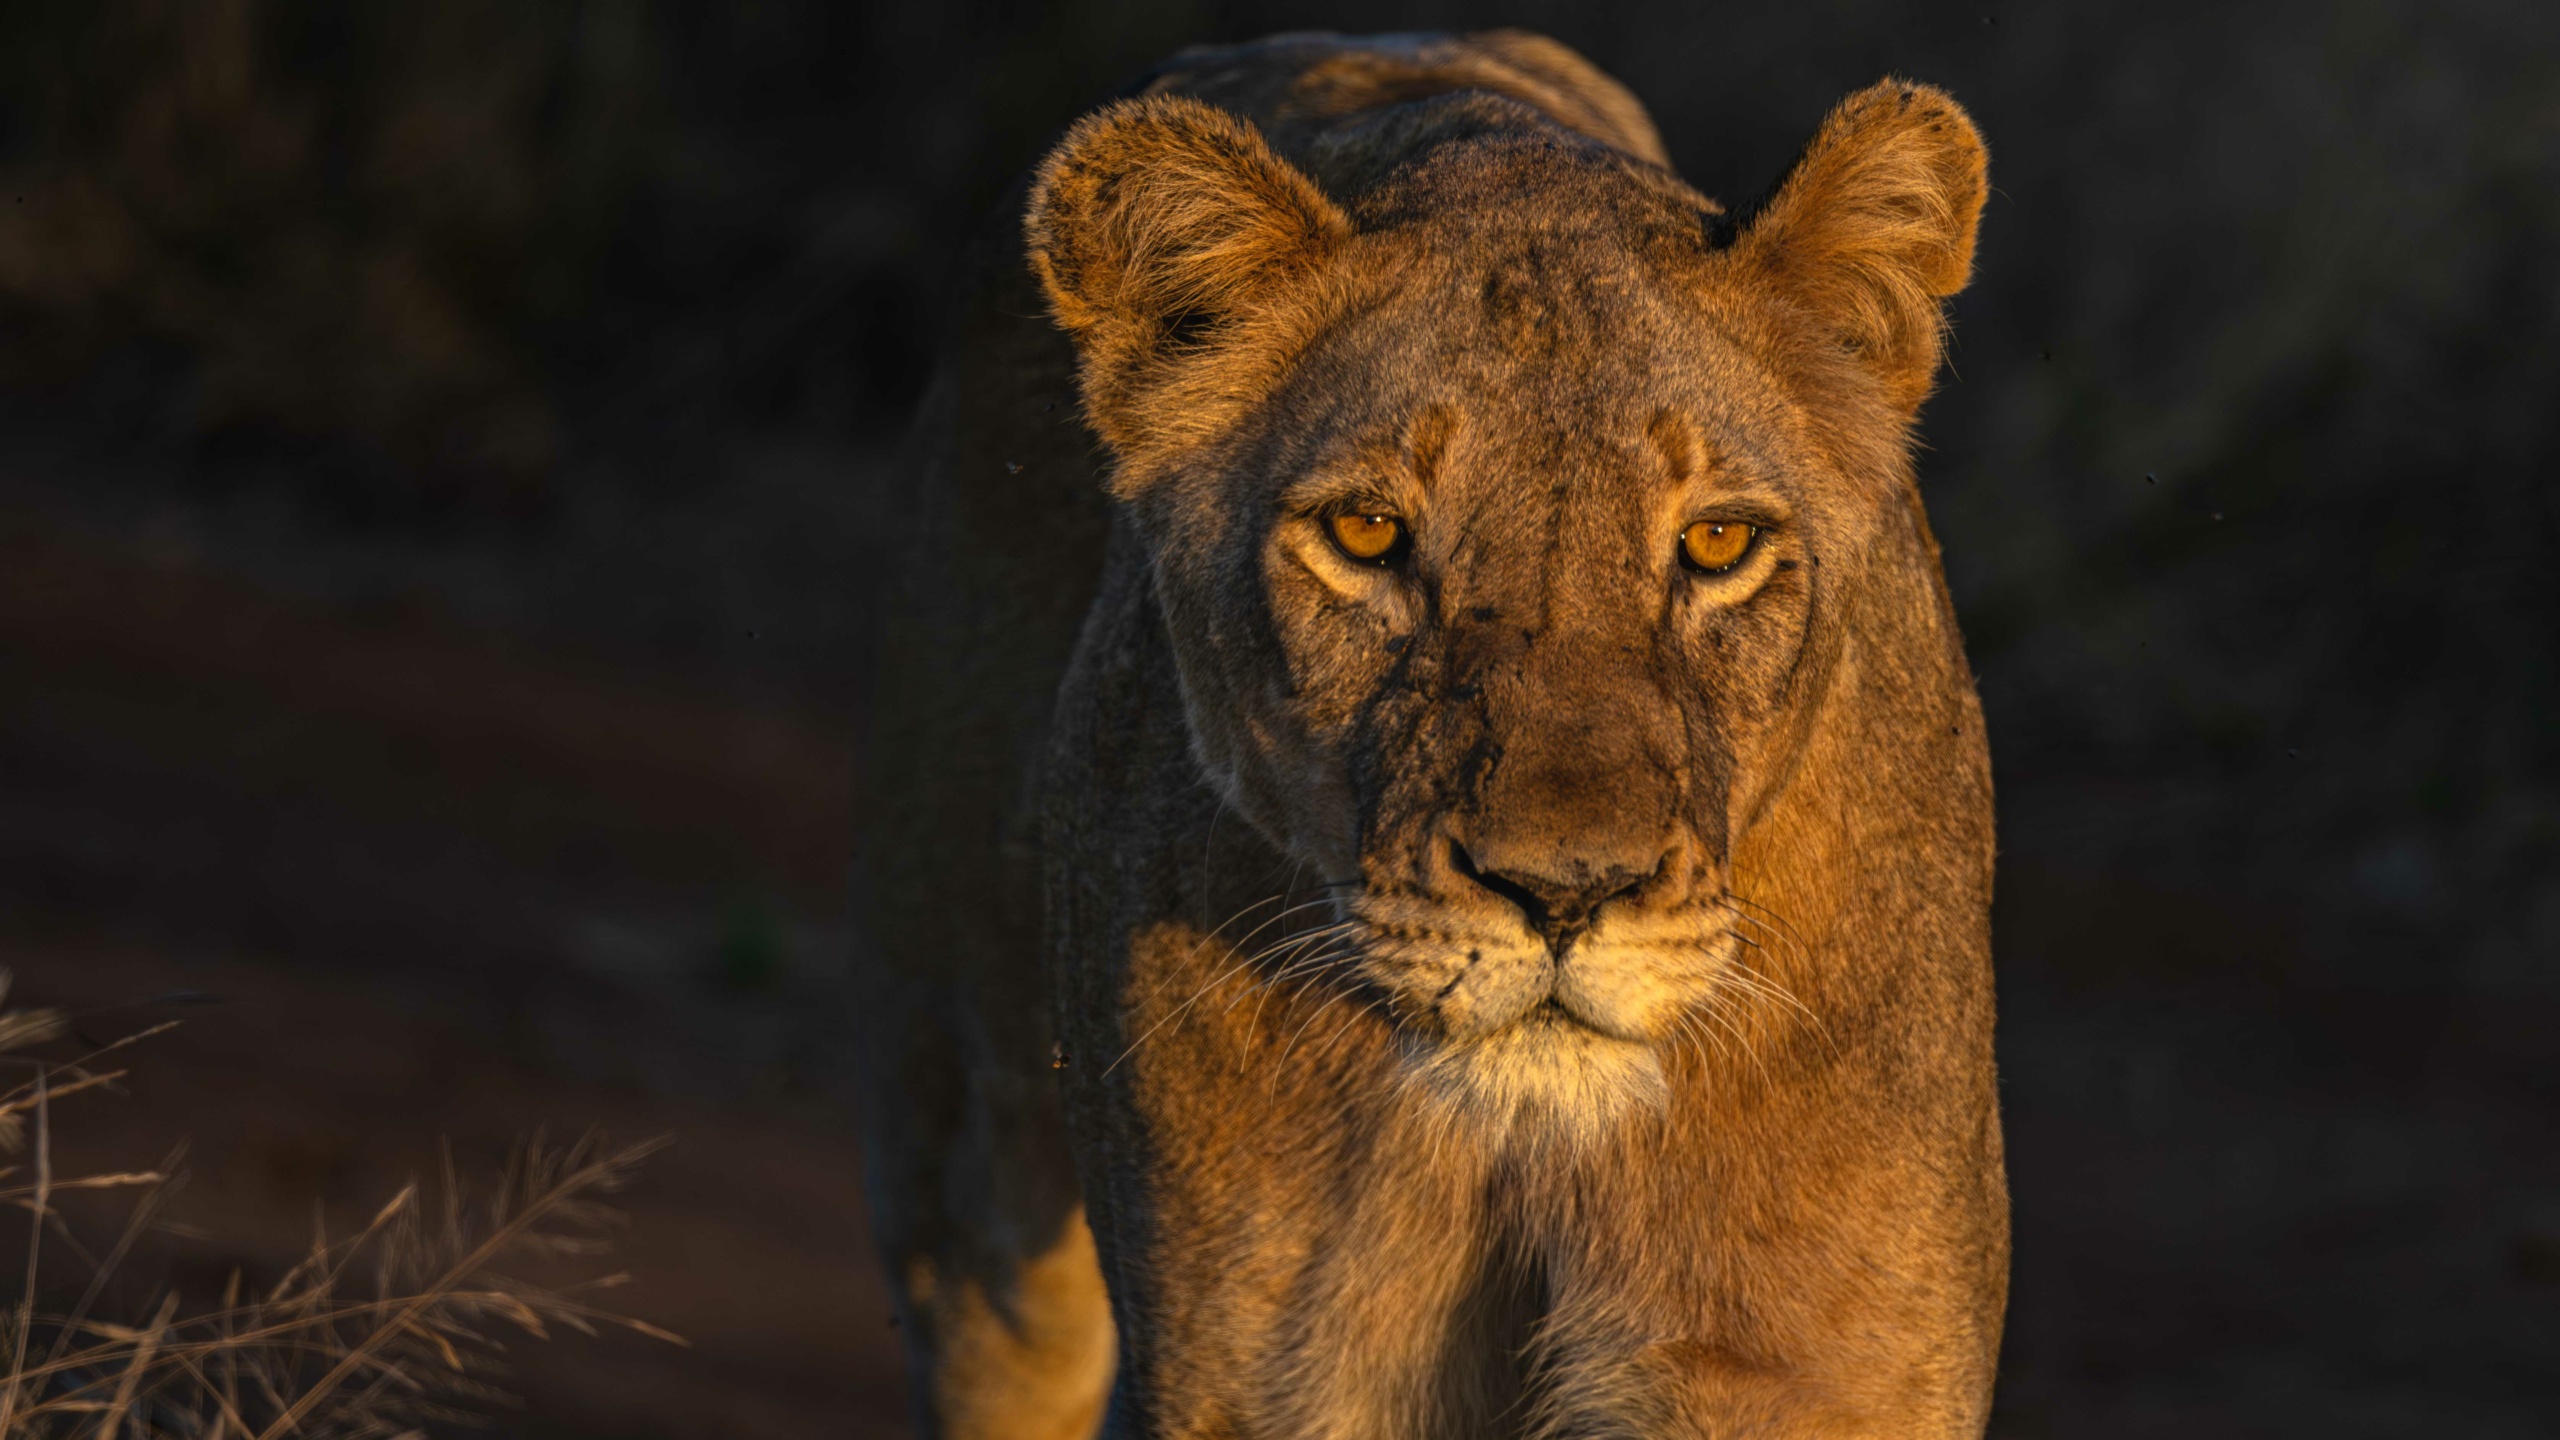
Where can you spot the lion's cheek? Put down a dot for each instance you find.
(1292, 790)
(1260, 744)
(1298, 741)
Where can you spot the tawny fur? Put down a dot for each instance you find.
(1363, 1150)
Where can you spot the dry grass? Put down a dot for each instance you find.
(381, 1333)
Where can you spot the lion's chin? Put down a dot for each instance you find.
(1544, 1078)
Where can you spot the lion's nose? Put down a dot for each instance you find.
(1558, 907)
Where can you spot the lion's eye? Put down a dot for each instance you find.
(1716, 545)
(1371, 539)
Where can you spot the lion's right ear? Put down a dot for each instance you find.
(1166, 234)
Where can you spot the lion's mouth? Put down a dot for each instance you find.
(1453, 984)
(1551, 1014)
(1560, 1020)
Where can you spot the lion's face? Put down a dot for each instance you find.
(1497, 617)
(1491, 540)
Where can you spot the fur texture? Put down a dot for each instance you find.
(1528, 987)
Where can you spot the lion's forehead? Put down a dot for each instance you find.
(1545, 346)
(1500, 443)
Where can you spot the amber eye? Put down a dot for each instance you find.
(1371, 539)
(1716, 545)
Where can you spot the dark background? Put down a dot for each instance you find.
(440, 450)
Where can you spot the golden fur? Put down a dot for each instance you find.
(1526, 988)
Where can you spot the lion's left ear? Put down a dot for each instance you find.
(1875, 225)
(1164, 231)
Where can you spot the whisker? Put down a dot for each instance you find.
(1276, 918)
(1321, 941)
(1362, 1005)
(1290, 892)
(1358, 1007)
(1315, 941)
(1760, 984)
(1279, 1065)
(1285, 939)
(1694, 1034)
(1773, 938)
(1287, 952)
(1303, 968)
(1206, 941)
(1214, 981)
(1208, 846)
(1775, 920)
(1329, 951)
(1716, 1014)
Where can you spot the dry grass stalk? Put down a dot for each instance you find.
(379, 1334)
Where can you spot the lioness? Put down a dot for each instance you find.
(1435, 882)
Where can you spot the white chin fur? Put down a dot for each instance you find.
(1543, 1079)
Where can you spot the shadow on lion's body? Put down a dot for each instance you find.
(1792, 1220)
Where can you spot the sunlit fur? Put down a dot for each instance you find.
(1512, 1035)
(1530, 988)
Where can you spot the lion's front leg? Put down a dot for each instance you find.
(1029, 1360)
(1685, 1390)
(973, 1203)
(1751, 1274)
(1298, 1252)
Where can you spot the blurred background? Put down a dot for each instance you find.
(440, 459)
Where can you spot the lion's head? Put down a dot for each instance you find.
(1506, 504)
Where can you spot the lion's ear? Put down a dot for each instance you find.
(1875, 225)
(1163, 229)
